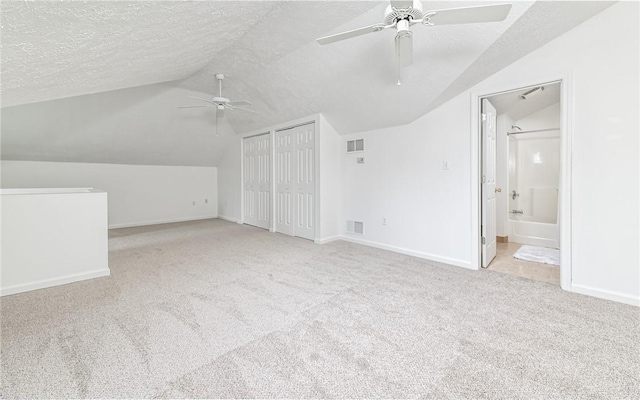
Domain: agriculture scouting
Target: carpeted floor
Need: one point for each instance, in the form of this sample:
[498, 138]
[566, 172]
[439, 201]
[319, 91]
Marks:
[216, 309]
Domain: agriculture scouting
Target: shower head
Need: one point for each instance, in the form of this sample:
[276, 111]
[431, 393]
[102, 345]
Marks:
[516, 127]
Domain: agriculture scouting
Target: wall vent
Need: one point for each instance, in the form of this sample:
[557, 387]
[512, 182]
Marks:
[355, 227]
[355, 145]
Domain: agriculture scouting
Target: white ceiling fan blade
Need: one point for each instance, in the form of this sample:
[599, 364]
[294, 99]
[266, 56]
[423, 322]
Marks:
[404, 49]
[193, 106]
[200, 98]
[353, 33]
[244, 109]
[239, 103]
[219, 112]
[401, 4]
[468, 15]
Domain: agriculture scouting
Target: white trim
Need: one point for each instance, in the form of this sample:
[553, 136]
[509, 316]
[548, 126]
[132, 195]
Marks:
[285, 125]
[62, 280]
[606, 294]
[158, 222]
[566, 113]
[230, 219]
[414, 253]
[566, 140]
[328, 239]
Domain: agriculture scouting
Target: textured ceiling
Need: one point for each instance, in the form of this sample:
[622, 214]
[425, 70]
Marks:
[62, 49]
[517, 108]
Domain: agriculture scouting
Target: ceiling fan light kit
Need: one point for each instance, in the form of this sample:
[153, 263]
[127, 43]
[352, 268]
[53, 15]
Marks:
[221, 103]
[402, 14]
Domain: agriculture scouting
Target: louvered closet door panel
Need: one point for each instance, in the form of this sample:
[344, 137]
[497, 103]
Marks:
[305, 181]
[283, 182]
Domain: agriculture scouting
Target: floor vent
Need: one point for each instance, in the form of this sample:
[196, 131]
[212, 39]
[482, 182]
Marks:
[355, 227]
[355, 145]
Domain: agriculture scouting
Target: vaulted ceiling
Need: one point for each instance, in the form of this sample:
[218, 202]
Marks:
[55, 50]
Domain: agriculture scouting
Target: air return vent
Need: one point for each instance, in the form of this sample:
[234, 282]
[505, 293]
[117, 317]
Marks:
[355, 145]
[355, 227]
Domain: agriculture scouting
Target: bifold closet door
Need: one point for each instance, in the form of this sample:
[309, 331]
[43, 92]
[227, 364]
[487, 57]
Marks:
[284, 182]
[257, 181]
[295, 181]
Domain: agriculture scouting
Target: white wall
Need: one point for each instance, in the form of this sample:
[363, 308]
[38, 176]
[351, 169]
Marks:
[140, 125]
[331, 150]
[50, 239]
[547, 118]
[429, 208]
[403, 180]
[230, 181]
[137, 194]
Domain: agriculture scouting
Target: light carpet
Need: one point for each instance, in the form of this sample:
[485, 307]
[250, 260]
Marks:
[543, 255]
[215, 309]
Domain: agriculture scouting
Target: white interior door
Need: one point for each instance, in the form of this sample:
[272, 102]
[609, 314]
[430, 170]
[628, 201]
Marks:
[295, 181]
[263, 180]
[305, 181]
[284, 182]
[489, 143]
[257, 181]
[249, 182]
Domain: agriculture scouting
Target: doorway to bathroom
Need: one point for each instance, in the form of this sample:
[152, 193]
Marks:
[521, 163]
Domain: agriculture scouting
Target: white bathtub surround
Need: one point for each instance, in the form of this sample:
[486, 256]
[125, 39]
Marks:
[534, 178]
[544, 255]
[51, 237]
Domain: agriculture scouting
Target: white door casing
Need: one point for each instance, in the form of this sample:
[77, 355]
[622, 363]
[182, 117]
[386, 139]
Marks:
[489, 143]
[257, 181]
[284, 183]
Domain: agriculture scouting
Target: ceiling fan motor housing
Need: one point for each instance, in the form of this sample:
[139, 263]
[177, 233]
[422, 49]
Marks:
[220, 100]
[393, 15]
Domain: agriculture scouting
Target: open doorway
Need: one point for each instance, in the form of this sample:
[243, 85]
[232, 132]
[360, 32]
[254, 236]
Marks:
[521, 163]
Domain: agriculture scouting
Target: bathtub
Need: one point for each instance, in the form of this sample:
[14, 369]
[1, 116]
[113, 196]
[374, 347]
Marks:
[534, 233]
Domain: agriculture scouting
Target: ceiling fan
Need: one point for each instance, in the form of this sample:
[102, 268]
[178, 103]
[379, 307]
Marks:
[402, 14]
[221, 103]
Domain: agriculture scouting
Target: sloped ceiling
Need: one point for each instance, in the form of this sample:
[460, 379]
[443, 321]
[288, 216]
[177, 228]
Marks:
[517, 108]
[56, 50]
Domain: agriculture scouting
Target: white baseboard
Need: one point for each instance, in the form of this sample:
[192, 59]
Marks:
[230, 219]
[414, 253]
[158, 222]
[606, 294]
[327, 239]
[62, 280]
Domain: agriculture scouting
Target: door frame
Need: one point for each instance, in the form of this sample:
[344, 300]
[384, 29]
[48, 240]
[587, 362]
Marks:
[566, 133]
[312, 119]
